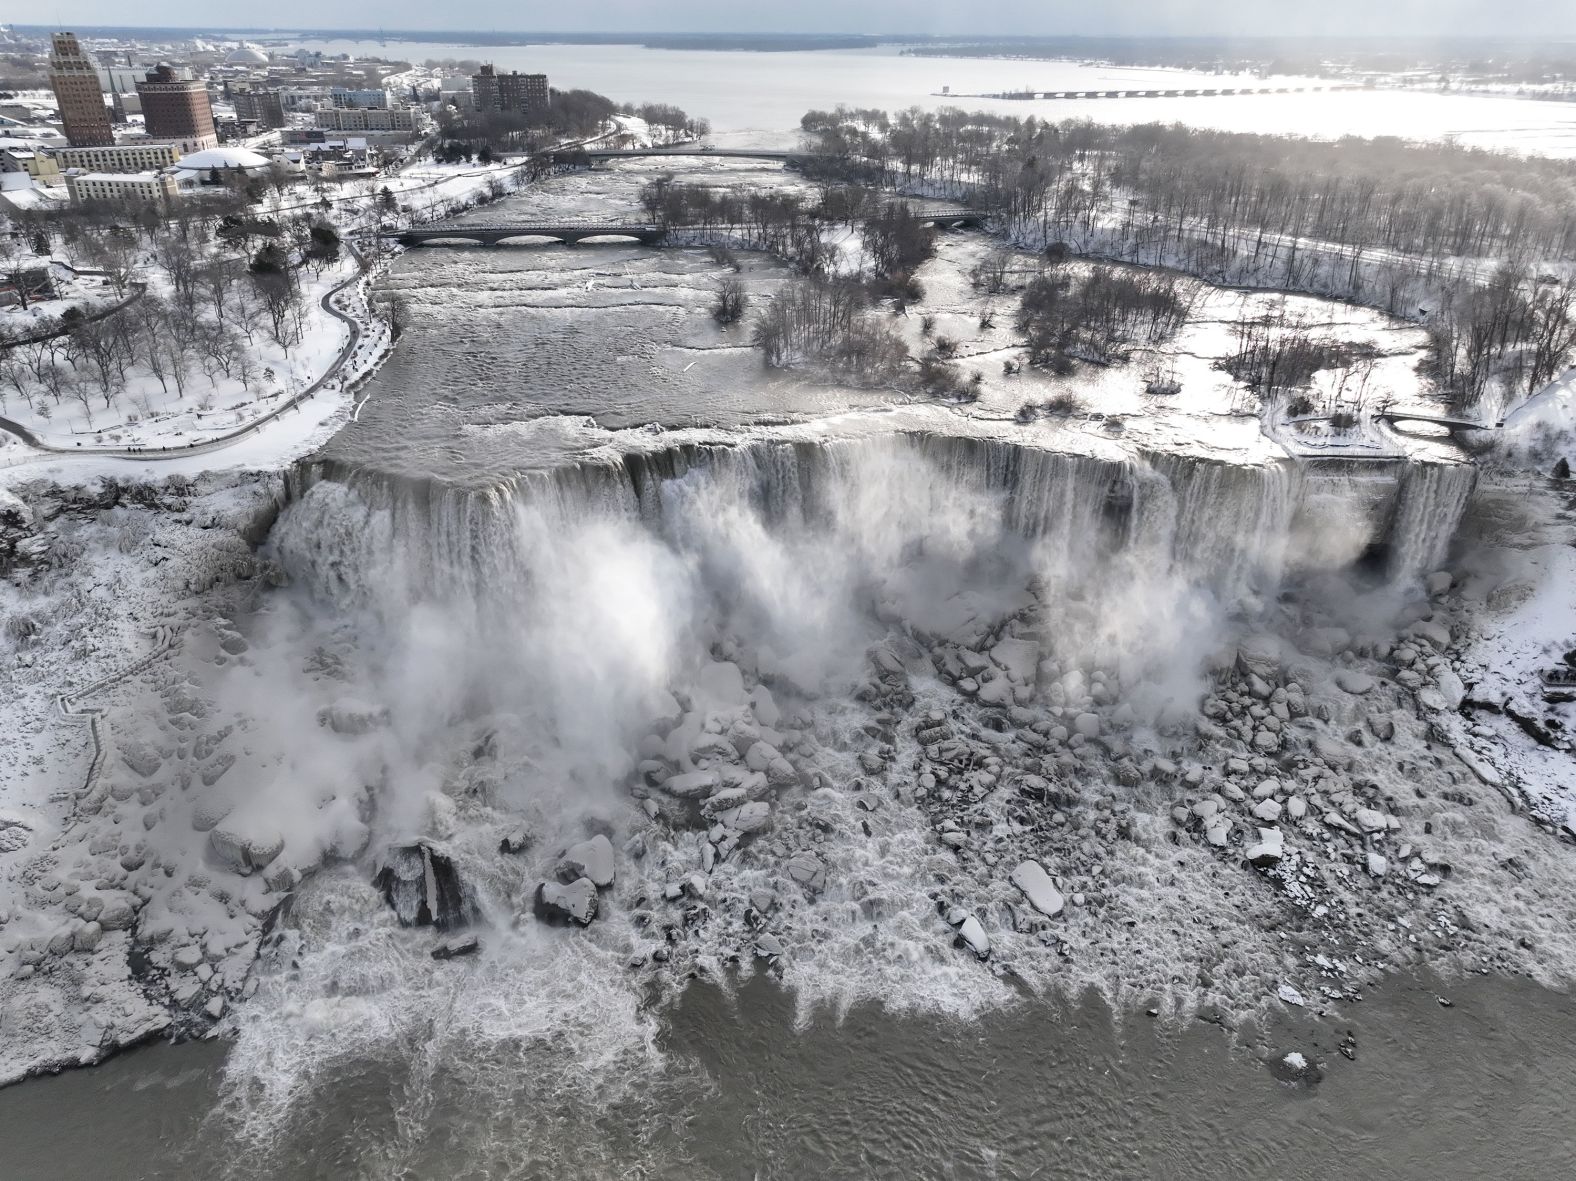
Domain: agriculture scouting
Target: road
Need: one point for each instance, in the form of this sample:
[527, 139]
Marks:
[220, 442]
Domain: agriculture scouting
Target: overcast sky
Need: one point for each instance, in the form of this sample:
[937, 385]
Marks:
[1427, 17]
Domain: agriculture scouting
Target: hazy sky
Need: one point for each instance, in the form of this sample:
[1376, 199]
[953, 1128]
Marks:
[1427, 17]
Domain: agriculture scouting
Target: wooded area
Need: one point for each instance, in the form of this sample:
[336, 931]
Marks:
[1476, 244]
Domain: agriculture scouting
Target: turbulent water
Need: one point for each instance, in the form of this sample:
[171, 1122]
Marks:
[1037, 1090]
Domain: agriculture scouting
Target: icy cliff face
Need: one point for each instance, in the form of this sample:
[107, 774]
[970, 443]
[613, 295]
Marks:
[360, 537]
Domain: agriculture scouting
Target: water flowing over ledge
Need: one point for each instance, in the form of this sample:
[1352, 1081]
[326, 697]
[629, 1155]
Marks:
[1230, 527]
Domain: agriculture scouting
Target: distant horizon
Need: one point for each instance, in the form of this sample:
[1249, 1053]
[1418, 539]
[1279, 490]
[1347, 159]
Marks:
[410, 33]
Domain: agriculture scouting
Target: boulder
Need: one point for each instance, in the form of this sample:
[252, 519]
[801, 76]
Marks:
[210, 810]
[1018, 658]
[766, 711]
[1087, 724]
[1356, 683]
[1450, 688]
[423, 887]
[1268, 850]
[516, 840]
[457, 946]
[1436, 635]
[748, 818]
[592, 859]
[1327, 641]
[245, 844]
[973, 934]
[568, 902]
[760, 756]
[1037, 887]
[1370, 820]
[692, 785]
[807, 869]
[725, 800]
[1260, 655]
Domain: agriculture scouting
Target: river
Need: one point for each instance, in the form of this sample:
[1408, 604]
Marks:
[757, 99]
[1039, 1090]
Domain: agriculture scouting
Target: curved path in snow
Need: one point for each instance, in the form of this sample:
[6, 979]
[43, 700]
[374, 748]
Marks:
[220, 442]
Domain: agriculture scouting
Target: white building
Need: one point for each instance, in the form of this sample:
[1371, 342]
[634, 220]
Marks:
[200, 168]
[122, 188]
[127, 157]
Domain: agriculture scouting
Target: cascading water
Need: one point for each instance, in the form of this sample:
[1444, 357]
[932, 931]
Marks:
[354, 536]
[1432, 499]
[578, 612]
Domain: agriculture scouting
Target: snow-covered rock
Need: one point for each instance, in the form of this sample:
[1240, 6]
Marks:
[1037, 887]
[592, 859]
[572, 902]
[245, 843]
[973, 933]
[1269, 848]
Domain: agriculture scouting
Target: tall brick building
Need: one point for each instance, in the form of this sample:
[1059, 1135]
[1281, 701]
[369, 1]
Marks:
[514, 91]
[74, 76]
[176, 110]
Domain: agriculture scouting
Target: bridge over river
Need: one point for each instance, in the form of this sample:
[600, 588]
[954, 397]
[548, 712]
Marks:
[1194, 92]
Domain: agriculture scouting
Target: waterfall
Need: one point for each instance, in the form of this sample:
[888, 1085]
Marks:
[1432, 499]
[355, 536]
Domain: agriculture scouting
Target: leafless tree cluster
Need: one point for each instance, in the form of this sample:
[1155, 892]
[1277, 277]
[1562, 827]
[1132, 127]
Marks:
[202, 300]
[1276, 353]
[790, 226]
[670, 124]
[1513, 328]
[1397, 226]
[762, 219]
[827, 324]
[731, 301]
[1099, 315]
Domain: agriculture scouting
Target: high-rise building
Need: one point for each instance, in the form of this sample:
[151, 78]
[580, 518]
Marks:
[263, 106]
[514, 91]
[177, 110]
[74, 75]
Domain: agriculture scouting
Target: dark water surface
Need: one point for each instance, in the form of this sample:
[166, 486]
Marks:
[1479, 1089]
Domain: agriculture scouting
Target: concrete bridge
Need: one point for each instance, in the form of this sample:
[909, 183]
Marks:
[1451, 422]
[566, 232]
[1196, 92]
[647, 234]
[781, 156]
